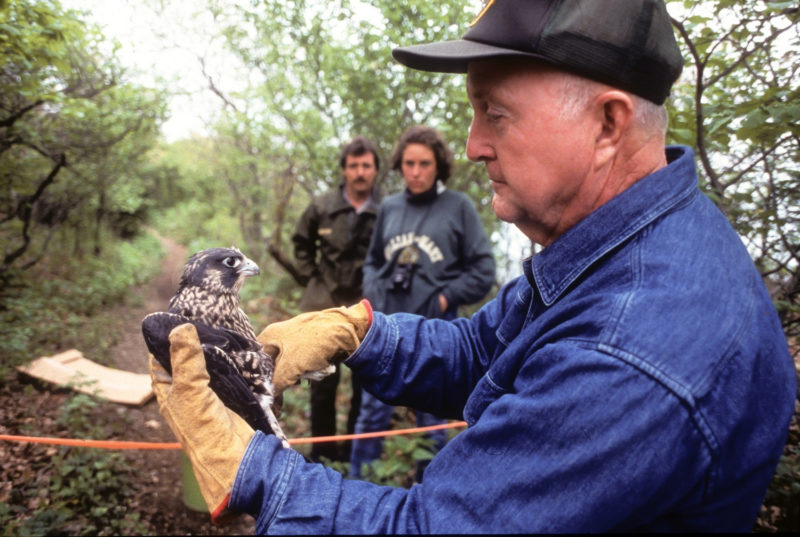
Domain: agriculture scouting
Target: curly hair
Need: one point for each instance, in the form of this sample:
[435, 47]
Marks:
[359, 146]
[431, 139]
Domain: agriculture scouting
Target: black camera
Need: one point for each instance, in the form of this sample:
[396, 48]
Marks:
[404, 269]
[401, 278]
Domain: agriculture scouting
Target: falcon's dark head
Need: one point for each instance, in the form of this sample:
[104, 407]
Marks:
[218, 270]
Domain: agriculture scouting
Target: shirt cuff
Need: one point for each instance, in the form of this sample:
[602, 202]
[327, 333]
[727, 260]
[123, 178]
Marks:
[262, 478]
[376, 347]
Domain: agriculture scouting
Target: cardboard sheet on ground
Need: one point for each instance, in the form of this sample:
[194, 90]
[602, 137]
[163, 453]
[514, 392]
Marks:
[71, 369]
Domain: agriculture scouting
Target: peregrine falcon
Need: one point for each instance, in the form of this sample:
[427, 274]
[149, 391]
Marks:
[208, 297]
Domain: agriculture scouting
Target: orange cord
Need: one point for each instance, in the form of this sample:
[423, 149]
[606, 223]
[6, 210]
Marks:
[121, 444]
[103, 444]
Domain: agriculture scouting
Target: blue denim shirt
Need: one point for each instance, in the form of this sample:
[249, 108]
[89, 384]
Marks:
[635, 378]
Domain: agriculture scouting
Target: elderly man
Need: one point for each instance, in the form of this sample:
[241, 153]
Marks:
[635, 378]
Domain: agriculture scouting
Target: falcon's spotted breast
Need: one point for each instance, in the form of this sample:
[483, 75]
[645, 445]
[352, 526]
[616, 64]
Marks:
[208, 297]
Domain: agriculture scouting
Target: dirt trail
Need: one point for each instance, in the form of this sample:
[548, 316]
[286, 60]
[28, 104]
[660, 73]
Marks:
[130, 353]
[155, 480]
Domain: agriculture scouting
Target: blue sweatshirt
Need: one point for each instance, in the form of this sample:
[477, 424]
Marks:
[452, 253]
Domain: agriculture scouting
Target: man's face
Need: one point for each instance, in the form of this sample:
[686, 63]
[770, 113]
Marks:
[538, 162]
[359, 173]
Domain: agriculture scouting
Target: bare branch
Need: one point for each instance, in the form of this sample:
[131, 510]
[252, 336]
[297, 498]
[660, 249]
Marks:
[10, 120]
[742, 59]
[274, 245]
[25, 210]
[213, 87]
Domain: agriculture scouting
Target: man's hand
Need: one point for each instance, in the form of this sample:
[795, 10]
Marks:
[313, 342]
[213, 437]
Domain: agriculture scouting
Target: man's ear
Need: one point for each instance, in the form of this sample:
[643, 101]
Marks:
[614, 111]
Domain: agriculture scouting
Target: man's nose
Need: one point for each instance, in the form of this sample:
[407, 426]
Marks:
[477, 146]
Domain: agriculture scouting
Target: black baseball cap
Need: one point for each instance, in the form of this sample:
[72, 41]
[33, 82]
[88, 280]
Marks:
[627, 44]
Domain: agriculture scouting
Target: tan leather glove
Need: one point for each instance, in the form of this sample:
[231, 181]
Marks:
[213, 437]
[313, 342]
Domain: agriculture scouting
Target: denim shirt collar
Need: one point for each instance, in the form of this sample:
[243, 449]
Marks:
[555, 268]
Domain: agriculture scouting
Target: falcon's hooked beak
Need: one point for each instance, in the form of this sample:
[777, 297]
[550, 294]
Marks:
[249, 268]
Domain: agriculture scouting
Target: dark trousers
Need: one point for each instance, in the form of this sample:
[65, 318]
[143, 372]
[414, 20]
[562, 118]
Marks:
[323, 416]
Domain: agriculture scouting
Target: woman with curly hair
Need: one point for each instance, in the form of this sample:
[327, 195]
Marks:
[429, 254]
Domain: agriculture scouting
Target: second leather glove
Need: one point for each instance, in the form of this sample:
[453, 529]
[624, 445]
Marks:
[311, 343]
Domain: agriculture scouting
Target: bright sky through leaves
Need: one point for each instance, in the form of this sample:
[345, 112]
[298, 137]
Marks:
[163, 50]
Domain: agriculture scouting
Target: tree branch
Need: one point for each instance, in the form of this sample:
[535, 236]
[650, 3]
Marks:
[25, 210]
[10, 120]
[213, 87]
[274, 245]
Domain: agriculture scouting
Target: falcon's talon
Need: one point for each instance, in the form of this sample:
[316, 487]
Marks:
[319, 374]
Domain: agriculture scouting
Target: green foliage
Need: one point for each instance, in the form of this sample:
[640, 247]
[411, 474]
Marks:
[46, 310]
[200, 225]
[75, 416]
[86, 493]
[321, 74]
[398, 464]
[74, 136]
[737, 105]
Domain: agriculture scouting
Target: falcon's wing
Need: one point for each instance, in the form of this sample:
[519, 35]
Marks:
[225, 379]
[230, 386]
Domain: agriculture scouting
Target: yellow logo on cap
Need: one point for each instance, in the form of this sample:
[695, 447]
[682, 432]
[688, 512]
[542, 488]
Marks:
[486, 7]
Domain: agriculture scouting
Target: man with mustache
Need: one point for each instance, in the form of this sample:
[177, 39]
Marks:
[330, 244]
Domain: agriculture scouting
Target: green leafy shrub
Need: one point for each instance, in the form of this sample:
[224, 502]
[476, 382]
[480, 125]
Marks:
[80, 491]
[53, 306]
[88, 494]
[75, 416]
[199, 225]
[398, 463]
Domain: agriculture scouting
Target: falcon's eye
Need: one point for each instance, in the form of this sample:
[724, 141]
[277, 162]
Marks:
[231, 262]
